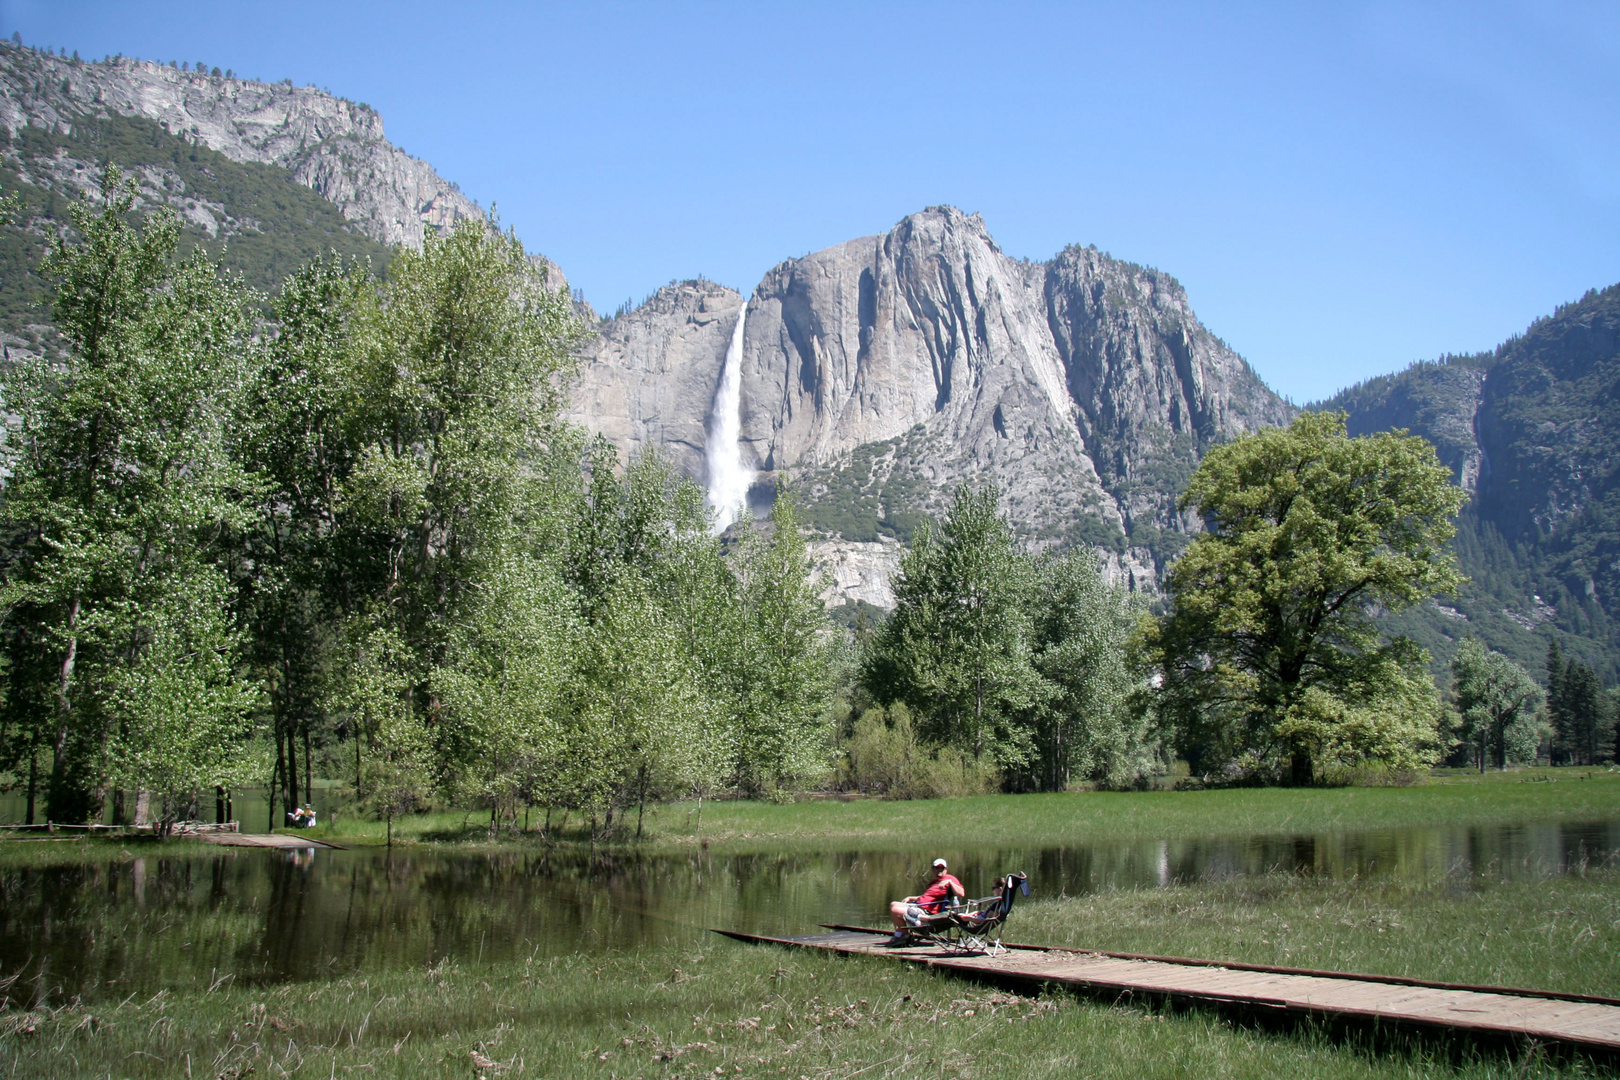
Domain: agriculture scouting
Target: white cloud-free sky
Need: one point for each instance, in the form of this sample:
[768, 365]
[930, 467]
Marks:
[1342, 188]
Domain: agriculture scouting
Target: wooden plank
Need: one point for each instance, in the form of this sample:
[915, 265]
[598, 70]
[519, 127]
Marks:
[284, 841]
[1583, 1021]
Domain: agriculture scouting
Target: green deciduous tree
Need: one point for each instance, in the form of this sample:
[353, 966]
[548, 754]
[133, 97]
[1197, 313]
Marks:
[121, 495]
[458, 370]
[1018, 663]
[301, 570]
[370, 685]
[1269, 647]
[640, 715]
[502, 726]
[957, 649]
[1499, 703]
[783, 660]
[1088, 727]
[364, 519]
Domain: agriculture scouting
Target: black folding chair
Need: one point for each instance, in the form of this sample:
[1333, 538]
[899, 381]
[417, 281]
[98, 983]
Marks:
[975, 926]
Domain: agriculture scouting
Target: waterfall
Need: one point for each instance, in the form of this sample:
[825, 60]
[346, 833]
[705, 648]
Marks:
[722, 453]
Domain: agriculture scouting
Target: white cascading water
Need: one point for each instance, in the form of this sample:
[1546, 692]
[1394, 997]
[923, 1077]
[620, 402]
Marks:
[728, 479]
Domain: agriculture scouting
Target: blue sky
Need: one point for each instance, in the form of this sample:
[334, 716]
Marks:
[1342, 188]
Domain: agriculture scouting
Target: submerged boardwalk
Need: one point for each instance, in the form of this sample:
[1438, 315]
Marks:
[286, 841]
[1589, 1023]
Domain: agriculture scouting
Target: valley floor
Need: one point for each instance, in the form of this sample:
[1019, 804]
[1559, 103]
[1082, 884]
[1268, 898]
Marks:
[1010, 821]
[1451, 798]
[727, 1009]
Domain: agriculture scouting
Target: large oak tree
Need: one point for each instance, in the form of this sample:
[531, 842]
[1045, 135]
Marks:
[1270, 648]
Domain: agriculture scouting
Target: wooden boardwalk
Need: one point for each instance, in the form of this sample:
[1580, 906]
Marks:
[286, 841]
[1591, 1024]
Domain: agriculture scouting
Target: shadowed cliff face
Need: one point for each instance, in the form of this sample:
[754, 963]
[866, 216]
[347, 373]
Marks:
[883, 371]
[1528, 430]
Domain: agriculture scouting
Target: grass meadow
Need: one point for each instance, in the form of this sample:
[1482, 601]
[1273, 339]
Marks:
[1049, 820]
[727, 1009]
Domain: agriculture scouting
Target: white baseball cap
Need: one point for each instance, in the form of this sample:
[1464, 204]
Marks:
[939, 862]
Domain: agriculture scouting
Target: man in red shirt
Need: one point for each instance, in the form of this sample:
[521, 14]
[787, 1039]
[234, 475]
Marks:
[910, 911]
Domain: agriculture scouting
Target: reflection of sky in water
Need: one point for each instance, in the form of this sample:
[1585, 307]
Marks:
[270, 916]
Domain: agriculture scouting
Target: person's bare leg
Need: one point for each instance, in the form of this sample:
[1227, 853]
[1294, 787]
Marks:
[897, 912]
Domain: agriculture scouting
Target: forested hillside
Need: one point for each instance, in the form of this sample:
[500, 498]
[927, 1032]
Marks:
[1529, 431]
[255, 219]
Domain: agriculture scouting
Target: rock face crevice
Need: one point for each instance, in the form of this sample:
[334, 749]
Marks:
[333, 146]
[883, 371]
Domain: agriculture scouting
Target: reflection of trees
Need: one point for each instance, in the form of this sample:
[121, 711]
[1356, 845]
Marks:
[81, 930]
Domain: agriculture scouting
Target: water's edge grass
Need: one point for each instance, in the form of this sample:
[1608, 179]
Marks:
[728, 1009]
[1038, 820]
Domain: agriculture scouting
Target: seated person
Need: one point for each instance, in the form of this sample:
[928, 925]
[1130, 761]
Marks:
[911, 910]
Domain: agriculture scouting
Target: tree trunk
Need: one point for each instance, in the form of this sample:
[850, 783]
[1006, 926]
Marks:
[290, 776]
[1301, 770]
[219, 805]
[641, 801]
[278, 775]
[58, 787]
[33, 779]
[64, 708]
[64, 679]
[309, 796]
[270, 796]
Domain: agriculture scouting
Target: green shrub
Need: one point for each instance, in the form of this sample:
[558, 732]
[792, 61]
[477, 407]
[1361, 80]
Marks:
[883, 757]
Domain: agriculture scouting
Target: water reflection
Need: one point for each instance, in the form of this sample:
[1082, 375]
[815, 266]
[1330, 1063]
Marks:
[267, 916]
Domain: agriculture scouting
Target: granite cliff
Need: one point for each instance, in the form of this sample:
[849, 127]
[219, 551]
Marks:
[335, 147]
[1529, 430]
[881, 372]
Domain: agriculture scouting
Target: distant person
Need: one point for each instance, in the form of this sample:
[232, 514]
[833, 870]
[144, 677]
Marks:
[309, 816]
[911, 911]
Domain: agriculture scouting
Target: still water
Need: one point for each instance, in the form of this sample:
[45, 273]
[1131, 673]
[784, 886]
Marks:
[268, 916]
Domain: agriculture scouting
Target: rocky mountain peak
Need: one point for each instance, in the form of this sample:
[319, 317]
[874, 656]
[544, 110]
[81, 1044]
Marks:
[334, 146]
[885, 370]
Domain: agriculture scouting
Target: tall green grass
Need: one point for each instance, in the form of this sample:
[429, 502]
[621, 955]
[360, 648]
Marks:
[1556, 934]
[1566, 794]
[1084, 817]
[727, 1010]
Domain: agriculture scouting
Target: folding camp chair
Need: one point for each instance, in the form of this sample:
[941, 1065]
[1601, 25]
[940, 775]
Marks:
[975, 926]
